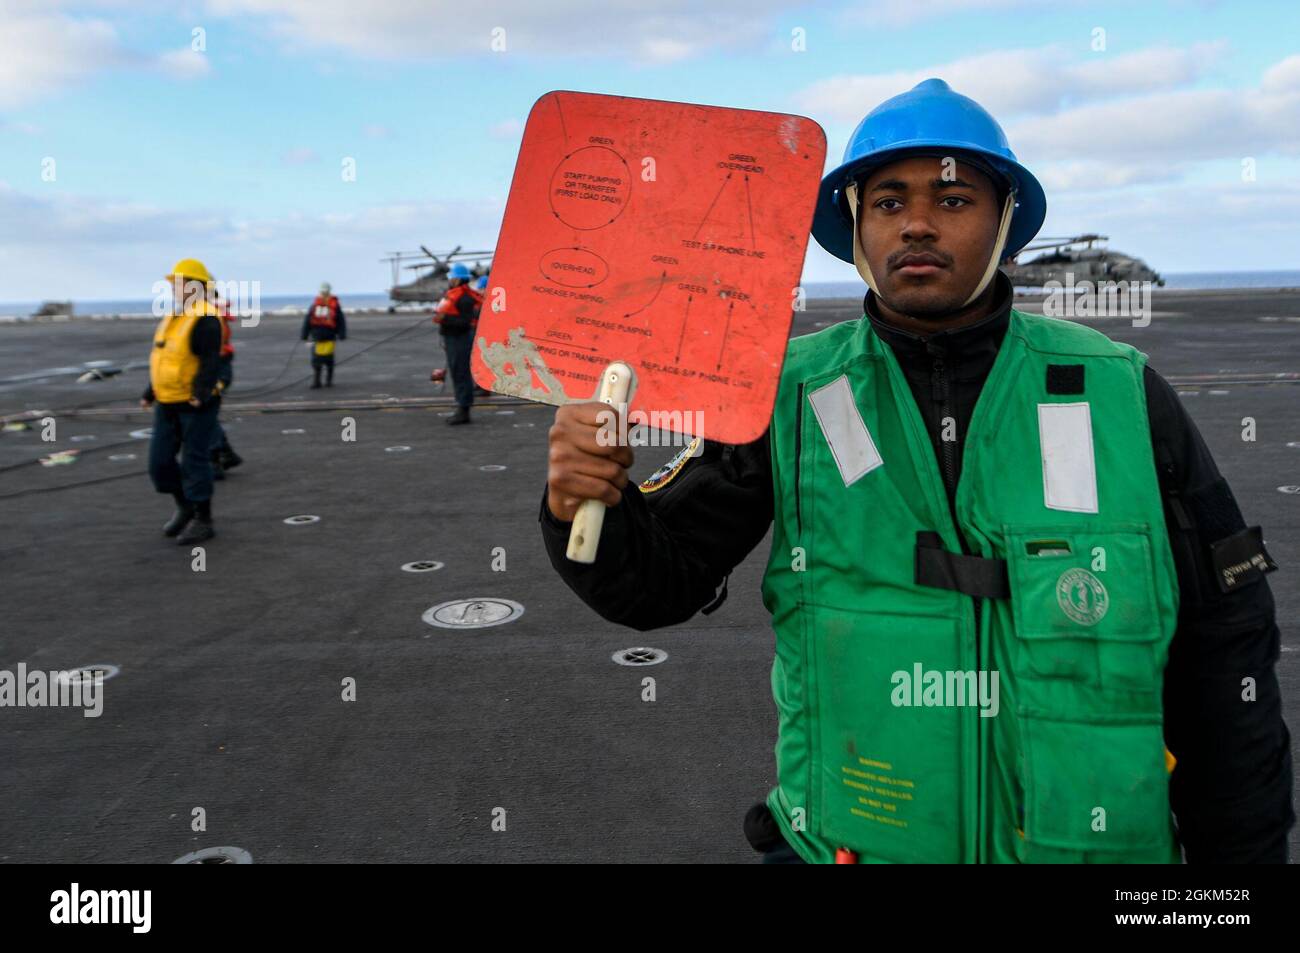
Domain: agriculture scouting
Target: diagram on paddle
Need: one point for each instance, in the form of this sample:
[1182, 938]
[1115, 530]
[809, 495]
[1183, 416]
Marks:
[666, 236]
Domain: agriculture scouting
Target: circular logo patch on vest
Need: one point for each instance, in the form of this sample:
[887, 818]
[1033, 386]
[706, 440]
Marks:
[1081, 596]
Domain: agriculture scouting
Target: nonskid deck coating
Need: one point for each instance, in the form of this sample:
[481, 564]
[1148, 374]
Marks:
[229, 696]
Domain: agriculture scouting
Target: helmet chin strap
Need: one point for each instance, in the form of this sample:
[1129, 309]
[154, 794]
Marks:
[860, 257]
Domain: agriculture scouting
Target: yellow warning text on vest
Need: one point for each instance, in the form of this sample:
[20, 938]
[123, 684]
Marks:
[891, 821]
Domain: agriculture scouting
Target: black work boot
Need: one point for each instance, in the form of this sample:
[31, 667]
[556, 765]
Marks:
[199, 527]
[184, 513]
[461, 416]
[196, 530]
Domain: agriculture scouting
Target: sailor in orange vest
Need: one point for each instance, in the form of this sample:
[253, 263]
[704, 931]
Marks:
[223, 454]
[183, 369]
[456, 316]
[324, 324]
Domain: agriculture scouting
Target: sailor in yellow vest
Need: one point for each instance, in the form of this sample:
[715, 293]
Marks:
[1015, 601]
[184, 367]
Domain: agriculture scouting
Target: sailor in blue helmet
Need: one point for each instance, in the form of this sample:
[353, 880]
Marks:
[457, 316]
[957, 485]
[935, 143]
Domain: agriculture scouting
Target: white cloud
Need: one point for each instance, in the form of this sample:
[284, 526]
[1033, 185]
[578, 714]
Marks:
[41, 53]
[1283, 77]
[905, 12]
[663, 31]
[1092, 123]
[1100, 75]
[1173, 126]
[667, 49]
[1095, 174]
[124, 247]
[1019, 81]
[26, 128]
[185, 64]
[1116, 142]
[44, 52]
[58, 219]
[508, 129]
[299, 156]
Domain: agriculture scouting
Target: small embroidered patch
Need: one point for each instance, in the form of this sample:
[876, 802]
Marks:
[664, 475]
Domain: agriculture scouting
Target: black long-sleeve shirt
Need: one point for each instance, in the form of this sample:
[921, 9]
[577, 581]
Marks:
[664, 555]
[205, 342]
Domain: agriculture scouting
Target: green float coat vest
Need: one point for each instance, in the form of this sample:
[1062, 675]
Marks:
[876, 754]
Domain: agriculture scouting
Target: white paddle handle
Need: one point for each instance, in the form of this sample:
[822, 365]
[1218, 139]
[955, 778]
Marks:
[584, 534]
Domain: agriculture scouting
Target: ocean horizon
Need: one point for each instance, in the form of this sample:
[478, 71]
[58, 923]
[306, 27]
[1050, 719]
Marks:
[361, 301]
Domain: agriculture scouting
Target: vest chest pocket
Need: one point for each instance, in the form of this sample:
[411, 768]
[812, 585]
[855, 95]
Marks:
[886, 752]
[1084, 606]
[1099, 788]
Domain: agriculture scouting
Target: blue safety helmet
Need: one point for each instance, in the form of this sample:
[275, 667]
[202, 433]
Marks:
[460, 270]
[929, 119]
[481, 283]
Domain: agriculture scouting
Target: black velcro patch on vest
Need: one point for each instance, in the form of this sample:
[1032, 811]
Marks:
[1241, 559]
[1065, 378]
[972, 575]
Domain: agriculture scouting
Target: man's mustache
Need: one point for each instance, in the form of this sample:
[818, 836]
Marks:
[942, 257]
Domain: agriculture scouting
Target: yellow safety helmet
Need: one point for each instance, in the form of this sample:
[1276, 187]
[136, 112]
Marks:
[191, 269]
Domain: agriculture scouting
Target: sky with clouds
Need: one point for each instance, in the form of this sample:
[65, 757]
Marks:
[124, 147]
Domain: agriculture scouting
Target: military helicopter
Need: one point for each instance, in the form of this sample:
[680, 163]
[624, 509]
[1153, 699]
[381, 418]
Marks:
[432, 283]
[1077, 257]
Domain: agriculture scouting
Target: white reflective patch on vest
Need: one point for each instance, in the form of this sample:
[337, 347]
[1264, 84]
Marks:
[1069, 463]
[851, 444]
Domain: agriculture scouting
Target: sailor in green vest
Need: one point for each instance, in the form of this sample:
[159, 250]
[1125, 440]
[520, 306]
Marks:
[1014, 600]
